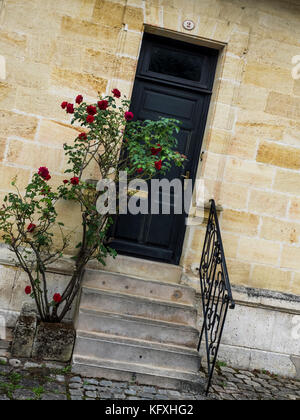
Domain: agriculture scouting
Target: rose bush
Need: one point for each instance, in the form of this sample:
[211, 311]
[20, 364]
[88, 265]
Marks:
[109, 137]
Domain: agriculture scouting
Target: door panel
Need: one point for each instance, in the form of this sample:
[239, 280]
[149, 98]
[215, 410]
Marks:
[161, 236]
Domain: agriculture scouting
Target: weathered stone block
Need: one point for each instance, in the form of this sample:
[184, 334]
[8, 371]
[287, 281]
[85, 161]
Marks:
[240, 222]
[249, 173]
[259, 251]
[290, 257]
[261, 125]
[271, 278]
[55, 133]
[108, 12]
[24, 333]
[54, 342]
[134, 17]
[33, 155]
[278, 230]
[7, 96]
[283, 105]
[274, 78]
[263, 202]
[8, 173]
[239, 272]
[287, 182]
[294, 211]
[13, 124]
[84, 83]
[41, 103]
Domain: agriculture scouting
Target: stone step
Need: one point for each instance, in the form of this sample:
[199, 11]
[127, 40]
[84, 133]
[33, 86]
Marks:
[136, 351]
[145, 269]
[137, 327]
[141, 374]
[121, 303]
[140, 287]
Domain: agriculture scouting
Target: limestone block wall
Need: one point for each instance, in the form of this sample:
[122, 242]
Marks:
[55, 49]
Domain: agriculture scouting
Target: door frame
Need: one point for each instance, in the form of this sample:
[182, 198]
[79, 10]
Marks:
[194, 42]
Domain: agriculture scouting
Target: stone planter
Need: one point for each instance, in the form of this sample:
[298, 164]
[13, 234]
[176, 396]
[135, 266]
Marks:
[42, 341]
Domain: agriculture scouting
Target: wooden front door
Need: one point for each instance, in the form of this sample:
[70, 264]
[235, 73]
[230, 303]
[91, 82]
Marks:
[174, 79]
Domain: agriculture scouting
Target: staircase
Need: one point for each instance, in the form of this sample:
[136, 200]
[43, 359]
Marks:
[132, 329]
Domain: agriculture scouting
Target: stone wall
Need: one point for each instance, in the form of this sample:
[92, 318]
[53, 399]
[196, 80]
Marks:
[55, 49]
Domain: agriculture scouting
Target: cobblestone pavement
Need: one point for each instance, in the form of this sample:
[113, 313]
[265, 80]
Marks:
[31, 381]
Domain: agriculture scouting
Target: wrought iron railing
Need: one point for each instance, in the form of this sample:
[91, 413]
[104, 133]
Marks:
[215, 292]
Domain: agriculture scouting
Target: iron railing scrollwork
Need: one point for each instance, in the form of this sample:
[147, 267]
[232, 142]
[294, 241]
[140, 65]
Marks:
[215, 292]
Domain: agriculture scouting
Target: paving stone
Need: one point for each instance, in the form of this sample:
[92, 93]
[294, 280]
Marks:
[91, 394]
[130, 392]
[263, 376]
[60, 378]
[226, 397]
[23, 395]
[218, 388]
[174, 393]
[105, 395]
[31, 365]
[120, 384]
[4, 398]
[77, 380]
[119, 396]
[159, 397]
[90, 382]
[5, 369]
[163, 391]
[243, 377]
[106, 383]
[76, 398]
[149, 389]
[29, 383]
[55, 388]
[226, 369]
[75, 386]
[54, 397]
[76, 392]
[90, 388]
[245, 372]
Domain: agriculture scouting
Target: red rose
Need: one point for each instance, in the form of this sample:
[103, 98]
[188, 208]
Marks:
[129, 116]
[44, 173]
[31, 227]
[103, 105]
[139, 170]
[156, 150]
[79, 99]
[158, 165]
[70, 109]
[57, 298]
[65, 181]
[90, 119]
[28, 290]
[91, 110]
[75, 180]
[64, 105]
[116, 93]
[82, 136]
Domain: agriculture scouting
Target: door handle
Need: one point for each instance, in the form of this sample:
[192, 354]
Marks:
[187, 175]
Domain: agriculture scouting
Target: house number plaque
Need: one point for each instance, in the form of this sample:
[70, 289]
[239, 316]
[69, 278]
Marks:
[189, 25]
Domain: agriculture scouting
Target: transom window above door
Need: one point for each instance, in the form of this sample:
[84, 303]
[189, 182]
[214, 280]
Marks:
[178, 62]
